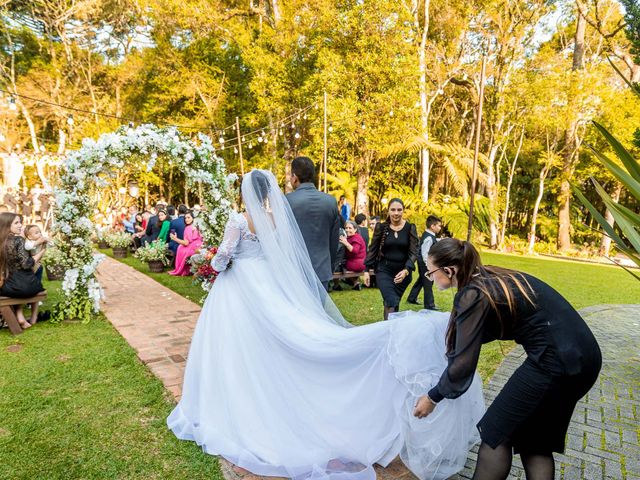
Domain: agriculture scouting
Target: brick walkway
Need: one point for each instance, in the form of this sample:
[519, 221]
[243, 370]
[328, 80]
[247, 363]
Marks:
[603, 437]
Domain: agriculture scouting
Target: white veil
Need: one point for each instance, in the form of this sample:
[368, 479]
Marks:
[283, 245]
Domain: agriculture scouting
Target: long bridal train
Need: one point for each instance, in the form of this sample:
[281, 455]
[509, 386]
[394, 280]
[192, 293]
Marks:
[277, 382]
[293, 397]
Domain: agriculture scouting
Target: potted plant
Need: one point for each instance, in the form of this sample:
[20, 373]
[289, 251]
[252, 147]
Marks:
[101, 234]
[119, 243]
[155, 254]
[52, 262]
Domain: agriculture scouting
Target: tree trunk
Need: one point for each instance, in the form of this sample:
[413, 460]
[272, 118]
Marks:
[512, 169]
[362, 194]
[605, 243]
[534, 215]
[170, 186]
[570, 153]
[492, 194]
[424, 104]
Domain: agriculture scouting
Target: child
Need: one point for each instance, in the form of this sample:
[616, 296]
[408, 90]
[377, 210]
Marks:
[429, 238]
[35, 242]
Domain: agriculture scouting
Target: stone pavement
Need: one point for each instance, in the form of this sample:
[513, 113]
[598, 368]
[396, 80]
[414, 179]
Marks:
[604, 436]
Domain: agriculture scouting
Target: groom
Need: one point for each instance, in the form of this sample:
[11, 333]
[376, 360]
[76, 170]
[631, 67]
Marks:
[317, 216]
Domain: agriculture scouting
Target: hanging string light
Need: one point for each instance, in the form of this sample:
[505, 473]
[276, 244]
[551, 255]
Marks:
[70, 120]
[12, 104]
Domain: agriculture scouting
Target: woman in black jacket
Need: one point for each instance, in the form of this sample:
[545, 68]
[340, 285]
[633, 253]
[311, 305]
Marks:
[531, 414]
[392, 256]
[17, 278]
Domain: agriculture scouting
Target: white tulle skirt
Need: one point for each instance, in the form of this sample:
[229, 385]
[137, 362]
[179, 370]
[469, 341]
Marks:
[275, 388]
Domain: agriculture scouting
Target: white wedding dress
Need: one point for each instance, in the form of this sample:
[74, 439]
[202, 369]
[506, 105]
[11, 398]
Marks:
[278, 383]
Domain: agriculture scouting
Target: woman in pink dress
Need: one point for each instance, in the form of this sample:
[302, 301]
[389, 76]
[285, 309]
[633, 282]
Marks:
[188, 246]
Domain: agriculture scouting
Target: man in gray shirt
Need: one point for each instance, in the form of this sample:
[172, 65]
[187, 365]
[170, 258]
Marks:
[317, 216]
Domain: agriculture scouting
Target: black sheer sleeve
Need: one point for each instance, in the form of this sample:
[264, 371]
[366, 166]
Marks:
[371, 261]
[413, 247]
[472, 308]
[19, 258]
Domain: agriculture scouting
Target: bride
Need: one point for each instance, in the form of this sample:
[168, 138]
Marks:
[277, 382]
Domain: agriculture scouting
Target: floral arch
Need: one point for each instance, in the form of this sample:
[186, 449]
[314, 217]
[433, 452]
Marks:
[89, 167]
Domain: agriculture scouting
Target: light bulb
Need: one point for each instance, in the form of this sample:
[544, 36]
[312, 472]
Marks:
[70, 120]
[12, 104]
[235, 149]
[2, 137]
[221, 140]
[297, 135]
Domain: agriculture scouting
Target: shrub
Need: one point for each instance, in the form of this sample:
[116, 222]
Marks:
[118, 239]
[154, 251]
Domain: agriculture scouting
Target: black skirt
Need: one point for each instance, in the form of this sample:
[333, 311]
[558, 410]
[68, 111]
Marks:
[21, 284]
[391, 292]
[533, 410]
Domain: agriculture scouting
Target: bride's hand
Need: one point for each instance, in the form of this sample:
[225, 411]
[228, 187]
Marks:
[424, 407]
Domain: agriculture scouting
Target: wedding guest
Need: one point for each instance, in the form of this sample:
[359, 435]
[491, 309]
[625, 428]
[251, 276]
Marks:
[361, 221]
[45, 205]
[177, 227]
[373, 221]
[187, 246]
[196, 209]
[129, 219]
[35, 242]
[139, 224]
[17, 278]
[26, 206]
[157, 228]
[153, 219]
[428, 239]
[10, 200]
[345, 208]
[171, 212]
[531, 414]
[317, 216]
[392, 255]
[355, 251]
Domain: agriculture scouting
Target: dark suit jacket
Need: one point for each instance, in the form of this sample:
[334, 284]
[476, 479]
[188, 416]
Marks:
[364, 233]
[319, 221]
[178, 225]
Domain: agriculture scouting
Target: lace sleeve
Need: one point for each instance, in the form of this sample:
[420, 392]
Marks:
[472, 310]
[232, 234]
[19, 257]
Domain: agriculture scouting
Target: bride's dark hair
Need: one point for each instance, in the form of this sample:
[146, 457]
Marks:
[260, 184]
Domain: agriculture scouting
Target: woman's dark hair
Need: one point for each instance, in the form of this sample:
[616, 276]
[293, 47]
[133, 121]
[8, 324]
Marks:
[139, 215]
[304, 169]
[190, 213]
[159, 222]
[6, 219]
[359, 218]
[260, 184]
[451, 252]
[386, 223]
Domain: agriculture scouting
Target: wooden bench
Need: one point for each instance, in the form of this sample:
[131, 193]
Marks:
[348, 274]
[8, 314]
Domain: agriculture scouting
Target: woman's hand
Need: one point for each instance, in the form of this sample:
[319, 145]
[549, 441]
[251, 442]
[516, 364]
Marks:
[401, 275]
[343, 240]
[424, 407]
[174, 237]
[367, 278]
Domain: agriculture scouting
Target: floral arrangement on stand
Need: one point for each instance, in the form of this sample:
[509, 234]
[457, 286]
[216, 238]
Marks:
[156, 251]
[93, 165]
[203, 272]
[118, 239]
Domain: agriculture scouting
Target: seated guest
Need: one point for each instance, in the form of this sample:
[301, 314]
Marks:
[17, 278]
[189, 245]
[361, 220]
[355, 251]
[177, 226]
[139, 226]
[158, 229]
[171, 212]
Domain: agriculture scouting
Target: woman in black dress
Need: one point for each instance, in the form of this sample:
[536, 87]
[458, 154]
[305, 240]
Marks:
[17, 278]
[392, 256]
[531, 414]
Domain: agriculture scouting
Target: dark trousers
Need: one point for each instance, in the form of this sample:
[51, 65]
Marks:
[39, 273]
[422, 282]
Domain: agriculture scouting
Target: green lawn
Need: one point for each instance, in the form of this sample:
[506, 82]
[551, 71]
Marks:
[77, 404]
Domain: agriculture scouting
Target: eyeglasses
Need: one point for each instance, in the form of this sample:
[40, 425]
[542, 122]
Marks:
[429, 275]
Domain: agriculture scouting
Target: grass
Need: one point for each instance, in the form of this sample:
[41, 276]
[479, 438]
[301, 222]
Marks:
[77, 404]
